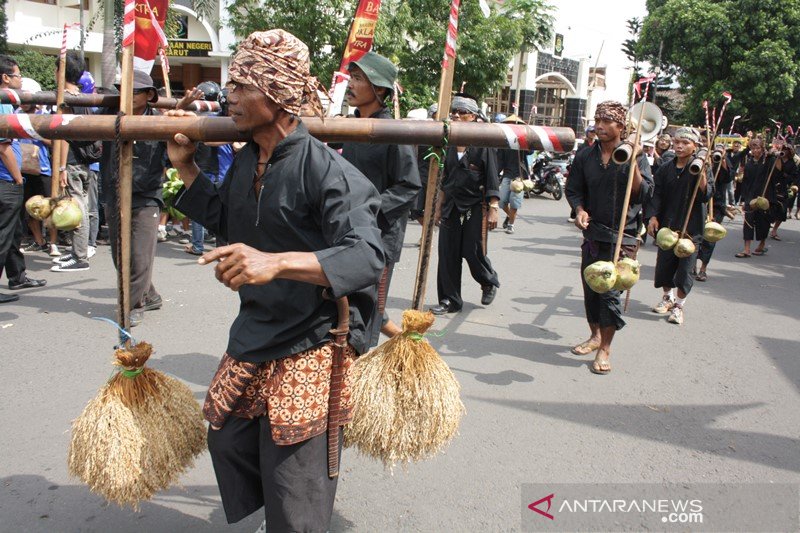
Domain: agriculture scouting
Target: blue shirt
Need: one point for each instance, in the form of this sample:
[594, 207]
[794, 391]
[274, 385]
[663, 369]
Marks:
[5, 174]
[44, 151]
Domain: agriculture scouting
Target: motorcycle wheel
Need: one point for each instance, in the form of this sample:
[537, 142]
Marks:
[537, 190]
[558, 192]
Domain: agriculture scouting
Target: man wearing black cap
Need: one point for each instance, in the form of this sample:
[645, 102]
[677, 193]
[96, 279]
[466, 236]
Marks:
[391, 168]
[148, 167]
[470, 178]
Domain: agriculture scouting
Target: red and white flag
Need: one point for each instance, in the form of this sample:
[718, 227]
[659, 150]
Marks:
[452, 34]
[149, 35]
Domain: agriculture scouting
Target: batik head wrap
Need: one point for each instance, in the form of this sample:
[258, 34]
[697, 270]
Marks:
[611, 110]
[277, 63]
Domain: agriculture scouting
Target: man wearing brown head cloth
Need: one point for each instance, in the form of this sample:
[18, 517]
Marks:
[302, 223]
[596, 190]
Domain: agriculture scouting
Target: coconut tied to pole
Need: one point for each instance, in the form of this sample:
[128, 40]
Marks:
[140, 432]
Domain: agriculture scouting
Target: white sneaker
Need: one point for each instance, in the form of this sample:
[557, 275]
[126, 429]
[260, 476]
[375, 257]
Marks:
[676, 317]
[162, 234]
[91, 251]
[54, 251]
[67, 257]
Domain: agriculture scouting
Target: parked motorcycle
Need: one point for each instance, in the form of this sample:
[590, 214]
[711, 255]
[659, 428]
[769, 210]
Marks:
[547, 177]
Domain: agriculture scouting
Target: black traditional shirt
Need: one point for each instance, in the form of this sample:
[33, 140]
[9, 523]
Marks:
[392, 168]
[787, 178]
[600, 190]
[755, 177]
[308, 200]
[724, 177]
[512, 163]
[671, 196]
[149, 158]
[469, 180]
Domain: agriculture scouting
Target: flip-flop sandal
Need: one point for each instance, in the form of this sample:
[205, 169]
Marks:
[600, 371]
[742, 255]
[701, 276]
[584, 348]
[775, 237]
[760, 252]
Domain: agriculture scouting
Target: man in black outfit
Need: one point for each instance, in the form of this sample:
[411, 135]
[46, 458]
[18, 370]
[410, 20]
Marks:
[596, 190]
[470, 178]
[674, 185]
[757, 169]
[392, 168]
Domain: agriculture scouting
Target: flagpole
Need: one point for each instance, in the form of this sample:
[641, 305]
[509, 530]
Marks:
[432, 191]
[165, 71]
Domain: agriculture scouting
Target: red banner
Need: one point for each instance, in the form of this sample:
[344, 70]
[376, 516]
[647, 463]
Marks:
[149, 35]
[362, 32]
[359, 42]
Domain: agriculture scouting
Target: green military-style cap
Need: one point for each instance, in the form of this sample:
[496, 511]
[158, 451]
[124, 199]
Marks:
[379, 70]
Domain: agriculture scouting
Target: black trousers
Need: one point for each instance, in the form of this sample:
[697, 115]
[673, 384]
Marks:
[604, 309]
[290, 482]
[707, 248]
[11, 259]
[460, 238]
[756, 224]
[673, 271]
[144, 237]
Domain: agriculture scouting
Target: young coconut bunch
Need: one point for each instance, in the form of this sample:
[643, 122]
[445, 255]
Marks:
[759, 203]
[39, 207]
[407, 404]
[67, 214]
[714, 231]
[139, 434]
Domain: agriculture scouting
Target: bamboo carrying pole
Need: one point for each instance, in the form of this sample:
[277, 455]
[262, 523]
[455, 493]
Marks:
[10, 96]
[432, 191]
[223, 129]
[125, 195]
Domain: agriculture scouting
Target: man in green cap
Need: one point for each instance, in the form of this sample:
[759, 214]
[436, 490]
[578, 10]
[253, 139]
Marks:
[391, 168]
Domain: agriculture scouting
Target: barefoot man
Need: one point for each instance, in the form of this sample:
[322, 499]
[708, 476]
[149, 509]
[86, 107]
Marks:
[596, 190]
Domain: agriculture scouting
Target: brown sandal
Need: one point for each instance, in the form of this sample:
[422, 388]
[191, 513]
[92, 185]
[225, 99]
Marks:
[585, 348]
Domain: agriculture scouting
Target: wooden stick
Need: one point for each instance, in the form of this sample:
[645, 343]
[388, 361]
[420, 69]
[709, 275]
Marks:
[58, 145]
[694, 194]
[711, 201]
[10, 96]
[125, 194]
[223, 129]
[629, 187]
[432, 192]
[165, 73]
[766, 185]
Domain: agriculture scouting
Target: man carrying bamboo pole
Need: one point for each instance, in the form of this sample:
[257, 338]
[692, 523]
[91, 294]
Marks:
[303, 225]
[669, 208]
[392, 168]
[596, 189]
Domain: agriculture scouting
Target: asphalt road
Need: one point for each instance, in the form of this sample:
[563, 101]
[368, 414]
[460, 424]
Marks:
[714, 400]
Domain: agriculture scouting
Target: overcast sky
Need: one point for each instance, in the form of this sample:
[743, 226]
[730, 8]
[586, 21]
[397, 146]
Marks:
[588, 24]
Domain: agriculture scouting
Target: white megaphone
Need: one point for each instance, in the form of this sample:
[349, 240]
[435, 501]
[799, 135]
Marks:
[651, 124]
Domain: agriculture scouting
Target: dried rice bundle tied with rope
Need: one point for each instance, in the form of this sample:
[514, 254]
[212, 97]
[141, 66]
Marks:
[139, 434]
[407, 404]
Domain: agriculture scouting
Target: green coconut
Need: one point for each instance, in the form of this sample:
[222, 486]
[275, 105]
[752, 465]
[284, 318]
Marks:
[39, 207]
[627, 274]
[666, 239]
[600, 276]
[527, 184]
[517, 186]
[684, 248]
[760, 203]
[714, 232]
[67, 214]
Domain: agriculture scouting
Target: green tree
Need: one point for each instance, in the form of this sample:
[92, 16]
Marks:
[750, 48]
[3, 28]
[412, 34]
[37, 66]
